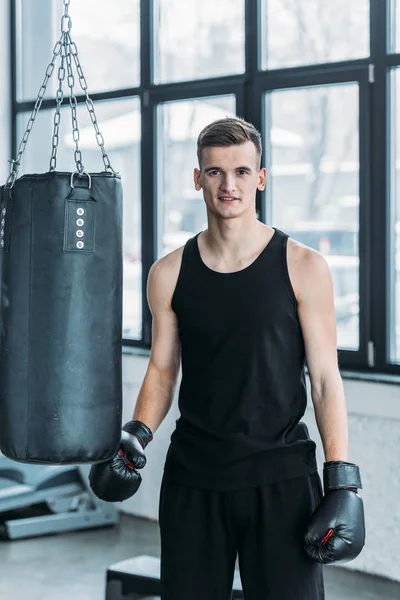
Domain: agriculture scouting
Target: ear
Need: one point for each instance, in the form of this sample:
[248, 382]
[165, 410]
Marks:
[196, 178]
[262, 179]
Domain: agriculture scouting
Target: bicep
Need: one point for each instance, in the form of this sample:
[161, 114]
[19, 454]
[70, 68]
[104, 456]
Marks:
[316, 310]
[165, 346]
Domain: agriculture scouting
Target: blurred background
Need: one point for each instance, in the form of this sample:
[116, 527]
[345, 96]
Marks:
[321, 81]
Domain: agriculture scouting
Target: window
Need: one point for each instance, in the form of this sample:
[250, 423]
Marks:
[305, 32]
[119, 122]
[108, 42]
[181, 208]
[198, 39]
[314, 174]
[313, 77]
[395, 25]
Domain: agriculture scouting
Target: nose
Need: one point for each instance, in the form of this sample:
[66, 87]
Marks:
[228, 183]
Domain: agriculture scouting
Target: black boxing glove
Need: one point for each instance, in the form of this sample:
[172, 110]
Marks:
[117, 479]
[336, 532]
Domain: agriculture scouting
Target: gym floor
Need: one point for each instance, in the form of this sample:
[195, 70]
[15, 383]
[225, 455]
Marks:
[73, 566]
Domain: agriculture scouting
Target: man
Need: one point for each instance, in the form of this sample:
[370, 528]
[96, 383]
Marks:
[244, 307]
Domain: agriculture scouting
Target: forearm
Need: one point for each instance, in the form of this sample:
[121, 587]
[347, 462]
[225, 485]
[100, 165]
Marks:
[155, 397]
[331, 417]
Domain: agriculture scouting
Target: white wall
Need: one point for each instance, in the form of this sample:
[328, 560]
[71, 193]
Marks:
[5, 107]
[374, 428]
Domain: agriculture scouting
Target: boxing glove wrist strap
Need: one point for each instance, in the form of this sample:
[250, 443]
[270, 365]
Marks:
[140, 430]
[339, 474]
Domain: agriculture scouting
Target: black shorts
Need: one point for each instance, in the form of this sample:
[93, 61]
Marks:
[202, 533]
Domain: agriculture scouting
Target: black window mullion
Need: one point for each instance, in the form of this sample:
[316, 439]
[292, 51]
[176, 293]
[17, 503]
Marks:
[148, 144]
[379, 206]
[196, 89]
[393, 60]
[252, 37]
[252, 109]
[297, 78]
[146, 43]
[364, 240]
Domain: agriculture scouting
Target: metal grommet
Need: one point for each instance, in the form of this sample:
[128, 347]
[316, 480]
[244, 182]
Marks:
[3, 212]
[80, 222]
[2, 243]
[79, 245]
[79, 233]
[2, 232]
[80, 212]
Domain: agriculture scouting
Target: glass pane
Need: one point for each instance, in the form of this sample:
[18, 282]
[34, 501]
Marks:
[305, 32]
[313, 189]
[198, 39]
[107, 37]
[119, 122]
[395, 25]
[394, 324]
[181, 209]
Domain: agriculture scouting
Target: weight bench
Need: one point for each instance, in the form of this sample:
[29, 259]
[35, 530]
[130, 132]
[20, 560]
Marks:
[42, 499]
[139, 579]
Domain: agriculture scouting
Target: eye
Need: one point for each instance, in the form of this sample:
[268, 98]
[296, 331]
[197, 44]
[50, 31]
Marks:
[242, 172]
[214, 172]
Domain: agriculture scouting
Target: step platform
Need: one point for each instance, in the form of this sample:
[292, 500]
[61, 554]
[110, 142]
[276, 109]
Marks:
[138, 578]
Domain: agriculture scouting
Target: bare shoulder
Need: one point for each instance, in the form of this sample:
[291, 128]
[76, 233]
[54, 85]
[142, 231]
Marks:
[163, 276]
[308, 268]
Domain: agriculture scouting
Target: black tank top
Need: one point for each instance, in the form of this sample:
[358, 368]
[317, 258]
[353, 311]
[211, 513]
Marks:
[243, 389]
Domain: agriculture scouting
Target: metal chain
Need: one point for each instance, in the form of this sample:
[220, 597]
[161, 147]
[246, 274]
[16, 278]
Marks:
[74, 105]
[89, 103]
[66, 47]
[66, 21]
[57, 115]
[15, 164]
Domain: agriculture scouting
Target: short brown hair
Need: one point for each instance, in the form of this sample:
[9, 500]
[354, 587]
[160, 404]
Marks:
[230, 131]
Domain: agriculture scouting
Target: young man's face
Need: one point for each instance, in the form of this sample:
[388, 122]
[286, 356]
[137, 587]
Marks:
[229, 178]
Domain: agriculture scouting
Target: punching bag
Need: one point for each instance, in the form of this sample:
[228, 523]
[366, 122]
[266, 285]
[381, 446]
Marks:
[61, 309]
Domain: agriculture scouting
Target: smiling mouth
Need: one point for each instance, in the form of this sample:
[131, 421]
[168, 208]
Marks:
[227, 198]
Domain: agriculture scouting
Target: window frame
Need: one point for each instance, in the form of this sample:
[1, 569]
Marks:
[337, 75]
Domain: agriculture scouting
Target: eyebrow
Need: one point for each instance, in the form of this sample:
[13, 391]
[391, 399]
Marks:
[243, 168]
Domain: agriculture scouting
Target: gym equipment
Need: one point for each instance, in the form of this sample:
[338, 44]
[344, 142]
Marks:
[61, 298]
[139, 579]
[38, 500]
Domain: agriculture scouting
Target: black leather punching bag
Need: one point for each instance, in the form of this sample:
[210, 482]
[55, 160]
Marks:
[61, 318]
[61, 298]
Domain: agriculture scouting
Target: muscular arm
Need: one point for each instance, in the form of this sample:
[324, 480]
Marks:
[157, 390]
[316, 311]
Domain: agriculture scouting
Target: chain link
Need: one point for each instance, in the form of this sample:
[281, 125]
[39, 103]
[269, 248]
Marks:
[57, 115]
[66, 22]
[66, 47]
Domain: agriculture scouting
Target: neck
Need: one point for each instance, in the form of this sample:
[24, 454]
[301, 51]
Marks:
[232, 238]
